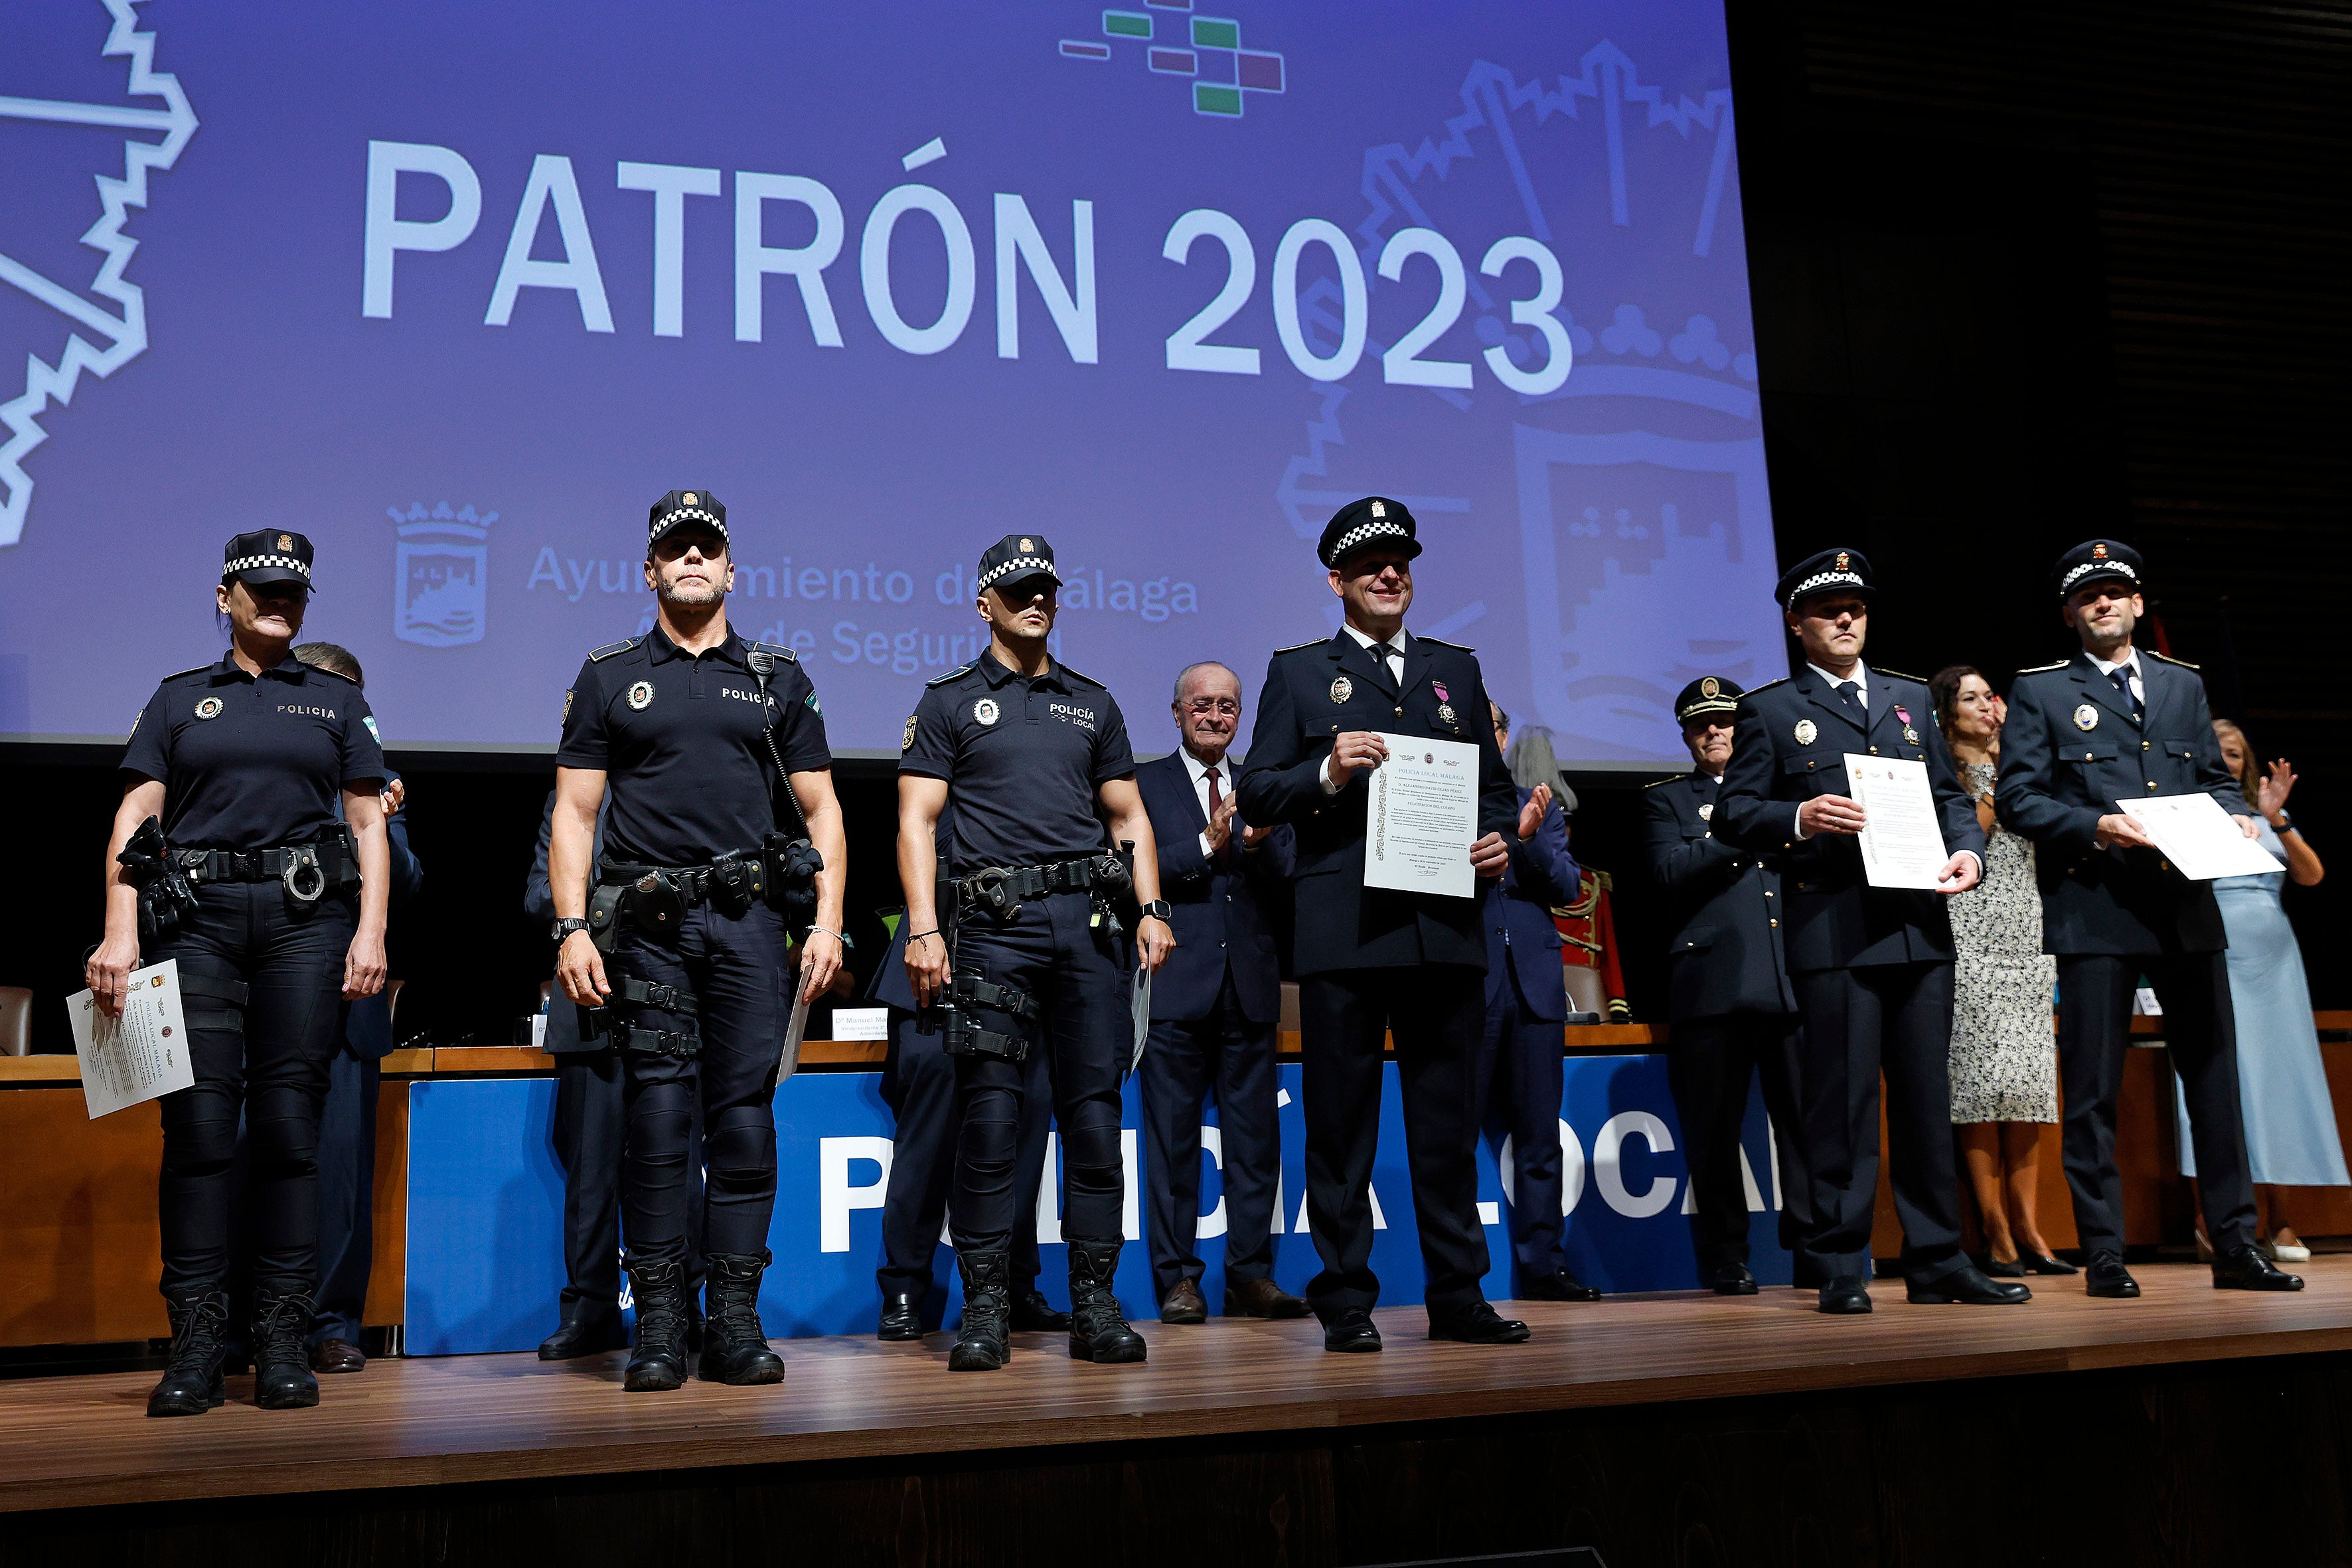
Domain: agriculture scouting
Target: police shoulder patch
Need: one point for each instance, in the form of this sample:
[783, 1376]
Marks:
[610, 649]
[956, 673]
[2168, 659]
[787, 655]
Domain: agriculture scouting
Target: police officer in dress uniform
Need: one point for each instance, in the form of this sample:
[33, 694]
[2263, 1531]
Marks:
[2117, 722]
[1732, 1008]
[1216, 1008]
[678, 935]
[919, 1085]
[275, 911]
[590, 1124]
[1371, 962]
[1019, 949]
[1872, 967]
[1519, 1052]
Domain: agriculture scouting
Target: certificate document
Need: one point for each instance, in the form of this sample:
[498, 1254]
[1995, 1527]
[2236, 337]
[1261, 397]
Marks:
[1902, 844]
[141, 1055]
[2198, 836]
[1423, 818]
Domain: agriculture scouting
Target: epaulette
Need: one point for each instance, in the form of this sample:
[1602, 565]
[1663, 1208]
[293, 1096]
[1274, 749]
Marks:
[1766, 685]
[1080, 674]
[1899, 675]
[1310, 642]
[2044, 669]
[1670, 778]
[183, 675]
[2181, 662]
[787, 655]
[322, 669]
[610, 649]
[956, 673]
[1441, 642]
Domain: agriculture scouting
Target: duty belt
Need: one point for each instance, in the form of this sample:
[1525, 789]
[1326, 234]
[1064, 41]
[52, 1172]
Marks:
[691, 883]
[998, 890]
[305, 868]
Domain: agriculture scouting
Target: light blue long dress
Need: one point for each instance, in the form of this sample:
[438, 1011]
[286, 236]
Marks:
[2291, 1137]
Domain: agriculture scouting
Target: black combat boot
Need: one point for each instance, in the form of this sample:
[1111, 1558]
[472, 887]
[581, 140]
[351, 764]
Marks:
[657, 1358]
[281, 1360]
[192, 1382]
[983, 1343]
[1098, 1330]
[734, 1345]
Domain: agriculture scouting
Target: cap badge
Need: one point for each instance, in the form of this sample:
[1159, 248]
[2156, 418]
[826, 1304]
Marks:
[1710, 686]
[907, 739]
[1841, 561]
[1706, 811]
[210, 707]
[1446, 711]
[2098, 552]
[1026, 547]
[1805, 732]
[286, 543]
[1342, 688]
[688, 498]
[641, 695]
[986, 709]
[1379, 508]
[2086, 717]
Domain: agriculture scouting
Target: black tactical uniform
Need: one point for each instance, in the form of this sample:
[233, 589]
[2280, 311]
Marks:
[253, 768]
[1039, 960]
[686, 906]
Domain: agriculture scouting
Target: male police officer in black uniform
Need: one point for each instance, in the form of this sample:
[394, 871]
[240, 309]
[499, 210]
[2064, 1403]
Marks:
[1872, 967]
[1021, 944]
[1372, 962]
[1729, 998]
[703, 739]
[2114, 723]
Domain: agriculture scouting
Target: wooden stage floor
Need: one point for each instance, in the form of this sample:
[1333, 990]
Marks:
[66, 1442]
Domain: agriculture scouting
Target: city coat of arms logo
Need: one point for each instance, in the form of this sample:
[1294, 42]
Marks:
[441, 575]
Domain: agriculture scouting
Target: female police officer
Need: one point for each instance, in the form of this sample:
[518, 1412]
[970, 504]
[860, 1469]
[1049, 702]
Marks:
[275, 911]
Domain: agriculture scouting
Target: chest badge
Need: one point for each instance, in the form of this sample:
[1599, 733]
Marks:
[1446, 711]
[1805, 732]
[641, 696]
[210, 707]
[986, 711]
[2086, 717]
[1342, 688]
[1706, 811]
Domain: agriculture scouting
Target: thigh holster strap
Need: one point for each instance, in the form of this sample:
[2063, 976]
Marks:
[971, 991]
[652, 994]
[654, 1042]
[213, 1002]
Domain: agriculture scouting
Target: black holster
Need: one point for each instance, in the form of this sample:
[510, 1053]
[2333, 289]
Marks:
[626, 1034]
[970, 992]
[165, 894]
[791, 867]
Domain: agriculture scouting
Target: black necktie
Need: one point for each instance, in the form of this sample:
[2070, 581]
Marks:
[2121, 676]
[1387, 651]
[1852, 691]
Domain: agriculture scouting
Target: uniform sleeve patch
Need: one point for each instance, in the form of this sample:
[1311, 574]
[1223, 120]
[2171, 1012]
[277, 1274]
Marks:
[813, 705]
[369, 719]
[907, 741]
[567, 704]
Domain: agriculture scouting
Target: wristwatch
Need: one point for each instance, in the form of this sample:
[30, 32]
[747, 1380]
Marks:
[1158, 910]
[566, 926]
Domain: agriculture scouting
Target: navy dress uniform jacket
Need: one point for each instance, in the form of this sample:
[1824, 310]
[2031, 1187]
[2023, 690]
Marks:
[2069, 753]
[1836, 919]
[1521, 941]
[1218, 911]
[1342, 924]
[1723, 906]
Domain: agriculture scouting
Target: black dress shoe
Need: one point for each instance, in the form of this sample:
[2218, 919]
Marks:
[1479, 1324]
[576, 1337]
[1731, 1279]
[1846, 1295]
[1558, 1285]
[2043, 1263]
[2105, 1276]
[1967, 1285]
[1994, 1267]
[902, 1315]
[1352, 1330]
[1033, 1314]
[2245, 1268]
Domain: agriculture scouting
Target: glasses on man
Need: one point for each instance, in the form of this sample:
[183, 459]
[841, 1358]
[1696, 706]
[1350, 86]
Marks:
[1204, 706]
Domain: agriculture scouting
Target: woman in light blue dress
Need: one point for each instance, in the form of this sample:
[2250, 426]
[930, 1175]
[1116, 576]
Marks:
[2291, 1137]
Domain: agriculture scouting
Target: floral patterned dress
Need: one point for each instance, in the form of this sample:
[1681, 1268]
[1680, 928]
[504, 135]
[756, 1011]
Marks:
[2004, 1053]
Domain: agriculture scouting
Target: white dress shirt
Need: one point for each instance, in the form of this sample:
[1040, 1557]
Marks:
[1393, 662]
[1860, 678]
[2130, 661]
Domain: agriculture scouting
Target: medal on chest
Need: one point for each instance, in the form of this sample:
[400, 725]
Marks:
[1446, 711]
[2086, 717]
[1910, 735]
[1341, 690]
[1439, 687]
[1805, 732]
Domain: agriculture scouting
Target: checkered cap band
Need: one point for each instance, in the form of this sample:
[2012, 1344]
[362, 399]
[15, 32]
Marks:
[254, 563]
[670, 520]
[1379, 528]
[2108, 568]
[1821, 580]
[1018, 565]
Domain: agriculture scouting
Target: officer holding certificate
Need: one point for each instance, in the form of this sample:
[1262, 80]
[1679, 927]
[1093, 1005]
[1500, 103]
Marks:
[1872, 966]
[2117, 723]
[1374, 961]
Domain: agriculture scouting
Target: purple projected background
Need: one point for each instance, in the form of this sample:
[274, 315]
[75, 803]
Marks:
[459, 289]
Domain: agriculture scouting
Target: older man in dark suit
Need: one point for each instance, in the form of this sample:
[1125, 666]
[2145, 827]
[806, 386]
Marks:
[1214, 1007]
